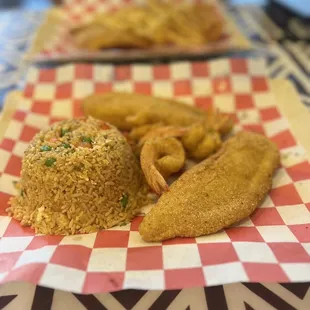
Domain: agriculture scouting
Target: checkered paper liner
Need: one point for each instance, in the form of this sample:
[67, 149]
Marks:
[60, 46]
[273, 245]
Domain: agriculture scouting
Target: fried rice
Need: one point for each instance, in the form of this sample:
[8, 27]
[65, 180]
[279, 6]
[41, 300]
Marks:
[78, 176]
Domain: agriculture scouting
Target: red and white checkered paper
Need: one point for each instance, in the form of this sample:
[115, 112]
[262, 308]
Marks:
[272, 246]
[76, 12]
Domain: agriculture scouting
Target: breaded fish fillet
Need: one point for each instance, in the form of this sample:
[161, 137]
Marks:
[116, 107]
[220, 191]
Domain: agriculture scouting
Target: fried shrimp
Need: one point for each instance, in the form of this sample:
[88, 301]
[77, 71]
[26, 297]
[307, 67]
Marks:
[163, 132]
[200, 142]
[217, 121]
[161, 157]
[138, 132]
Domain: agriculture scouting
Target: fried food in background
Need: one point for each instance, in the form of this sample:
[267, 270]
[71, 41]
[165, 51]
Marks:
[217, 193]
[156, 23]
[98, 36]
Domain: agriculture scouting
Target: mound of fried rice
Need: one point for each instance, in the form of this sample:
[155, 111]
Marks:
[78, 176]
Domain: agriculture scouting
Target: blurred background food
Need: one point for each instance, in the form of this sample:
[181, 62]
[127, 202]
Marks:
[154, 23]
[301, 7]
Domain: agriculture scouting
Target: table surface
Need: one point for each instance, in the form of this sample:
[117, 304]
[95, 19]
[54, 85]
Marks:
[287, 58]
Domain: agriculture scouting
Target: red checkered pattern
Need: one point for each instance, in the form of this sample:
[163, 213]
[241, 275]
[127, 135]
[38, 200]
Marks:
[271, 246]
[75, 12]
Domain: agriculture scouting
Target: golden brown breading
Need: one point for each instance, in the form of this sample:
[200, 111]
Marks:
[220, 191]
[129, 110]
[201, 143]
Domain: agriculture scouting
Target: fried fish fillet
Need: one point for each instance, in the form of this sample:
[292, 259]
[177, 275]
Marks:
[220, 191]
[128, 110]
